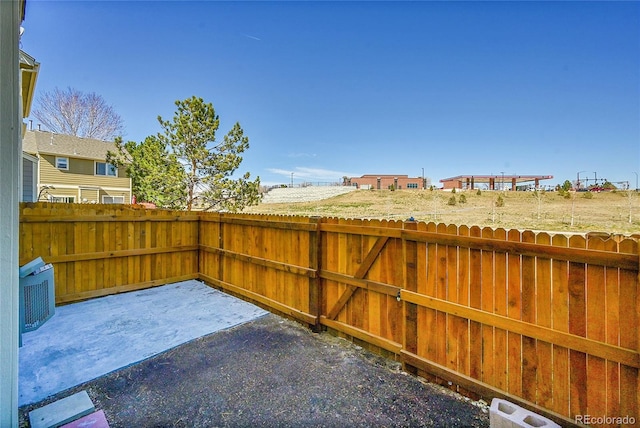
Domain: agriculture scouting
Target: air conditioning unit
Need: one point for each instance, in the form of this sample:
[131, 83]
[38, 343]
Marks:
[37, 295]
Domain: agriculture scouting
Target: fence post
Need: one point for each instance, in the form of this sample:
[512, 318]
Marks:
[314, 281]
[410, 333]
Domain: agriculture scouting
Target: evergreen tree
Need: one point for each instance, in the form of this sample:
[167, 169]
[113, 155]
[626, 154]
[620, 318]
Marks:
[209, 166]
[156, 175]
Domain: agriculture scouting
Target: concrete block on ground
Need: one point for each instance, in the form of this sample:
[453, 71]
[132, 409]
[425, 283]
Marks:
[62, 411]
[505, 414]
[94, 420]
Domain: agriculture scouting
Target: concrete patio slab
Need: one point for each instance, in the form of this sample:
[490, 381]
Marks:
[85, 340]
[272, 372]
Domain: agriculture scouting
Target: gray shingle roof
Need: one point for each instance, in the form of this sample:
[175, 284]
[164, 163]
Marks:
[65, 145]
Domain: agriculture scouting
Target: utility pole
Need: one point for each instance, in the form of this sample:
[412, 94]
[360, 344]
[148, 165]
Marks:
[292, 179]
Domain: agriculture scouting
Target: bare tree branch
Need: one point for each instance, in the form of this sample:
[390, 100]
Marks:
[72, 112]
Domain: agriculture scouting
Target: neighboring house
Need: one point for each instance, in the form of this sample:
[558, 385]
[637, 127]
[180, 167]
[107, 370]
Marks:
[29, 68]
[29, 192]
[74, 170]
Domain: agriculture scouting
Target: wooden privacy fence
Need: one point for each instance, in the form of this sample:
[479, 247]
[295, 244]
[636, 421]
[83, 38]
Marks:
[98, 250]
[547, 321]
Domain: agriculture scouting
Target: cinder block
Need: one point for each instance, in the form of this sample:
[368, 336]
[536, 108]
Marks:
[62, 411]
[505, 414]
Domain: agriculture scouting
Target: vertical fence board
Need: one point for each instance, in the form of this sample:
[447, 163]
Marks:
[355, 305]
[410, 256]
[515, 312]
[393, 259]
[529, 357]
[441, 293]
[486, 304]
[475, 301]
[577, 326]
[612, 291]
[544, 372]
[377, 312]
[422, 268]
[131, 261]
[462, 339]
[629, 336]
[452, 296]
[560, 322]
[595, 329]
[500, 308]
[430, 315]
[69, 287]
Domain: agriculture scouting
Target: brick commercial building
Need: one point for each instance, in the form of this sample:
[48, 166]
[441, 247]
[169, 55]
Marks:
[380, 182]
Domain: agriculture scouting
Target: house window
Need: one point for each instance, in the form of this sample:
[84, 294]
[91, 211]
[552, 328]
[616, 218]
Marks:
[103, 168]
[63, 199]
[113, 199]
[62, 163]
[412, 185]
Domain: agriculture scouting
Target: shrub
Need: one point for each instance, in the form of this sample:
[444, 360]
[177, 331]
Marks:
[479, 192]
[452, 200]
[462, 199]
[588, 195]
[453, 190]
[500, 201]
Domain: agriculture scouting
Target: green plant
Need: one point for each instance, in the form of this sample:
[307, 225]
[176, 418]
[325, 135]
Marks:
[462, 199]
[479, 192]
[452, 200]
[453, 190]
[500, 201]
[587, 195]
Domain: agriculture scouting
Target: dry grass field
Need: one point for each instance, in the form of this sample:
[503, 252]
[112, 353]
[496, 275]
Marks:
[609, 212]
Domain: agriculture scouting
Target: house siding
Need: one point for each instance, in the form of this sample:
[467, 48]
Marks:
[80, 173]
[28, 183]
[60, 192]
[80, 181]
[89, 195]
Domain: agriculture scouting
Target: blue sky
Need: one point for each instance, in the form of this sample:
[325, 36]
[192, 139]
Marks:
[326, 89]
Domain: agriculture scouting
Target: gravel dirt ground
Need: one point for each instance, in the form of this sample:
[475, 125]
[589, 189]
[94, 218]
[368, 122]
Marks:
[272, 372]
